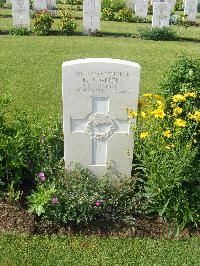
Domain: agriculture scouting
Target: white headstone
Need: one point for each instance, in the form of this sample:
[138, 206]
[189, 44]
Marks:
[190, 9]
[91, 16]
[51, 4]
[96, 93]
[161, 14]
[141, 8]
[20, 13]
[131, 4]
[40, 4]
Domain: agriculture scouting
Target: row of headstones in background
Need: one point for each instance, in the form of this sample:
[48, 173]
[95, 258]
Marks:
[92, 12]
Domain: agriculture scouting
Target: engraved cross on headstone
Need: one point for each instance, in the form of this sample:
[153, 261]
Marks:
[100, 126]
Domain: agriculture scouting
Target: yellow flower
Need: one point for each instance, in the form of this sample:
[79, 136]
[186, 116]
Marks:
[180, 122]
[144, 135]
[143, 114]
[160, 103]
[156, 96]
[190, 94]
[177, 111]
[148, 95]
[169, 146]
[167, 133]
[158, 113]
[178, 98]
[195, 116]
[131, 113]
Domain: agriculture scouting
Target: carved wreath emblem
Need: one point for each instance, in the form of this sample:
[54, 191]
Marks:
[100, 121]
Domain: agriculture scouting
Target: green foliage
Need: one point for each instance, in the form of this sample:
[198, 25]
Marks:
[74, 2]
[125, 15]
[107, 14]
[183, 76]
[42, 23]
[39, 200]
[25, 149]
[158, 34]
[150, 8]
[19, 31]
[67, 22]
[114, 5]
[80, 198]
[167, 151]
[179, 5]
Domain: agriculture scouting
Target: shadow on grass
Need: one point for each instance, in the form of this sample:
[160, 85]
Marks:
[109, 34]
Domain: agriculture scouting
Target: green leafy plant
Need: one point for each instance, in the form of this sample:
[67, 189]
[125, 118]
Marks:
[114, 5]
[125, 15]
[158, 34]
[67, 22]
[26, 149]
[42, 22]
[80, 198]
[166, 149]
[19, 31]
[107, 14]
[40, 199]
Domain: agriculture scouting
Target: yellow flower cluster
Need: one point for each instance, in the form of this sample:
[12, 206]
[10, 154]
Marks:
[167, 133]
[195, 116]
[131, 113]
[144, 135]
[177, 111]
[158, 113]
[180, 122]
[182, 98]
[178, 98]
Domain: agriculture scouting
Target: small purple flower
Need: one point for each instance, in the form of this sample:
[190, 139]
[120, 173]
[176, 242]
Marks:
[54, 201]
[98, 203]
[41, 176]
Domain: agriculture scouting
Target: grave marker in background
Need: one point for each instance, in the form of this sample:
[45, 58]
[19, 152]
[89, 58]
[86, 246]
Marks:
[141, 8]
[130, 4]
[161, 14]
[40, 4]
[190, 9]
[20, 13]
[96, 93]
[91, 16]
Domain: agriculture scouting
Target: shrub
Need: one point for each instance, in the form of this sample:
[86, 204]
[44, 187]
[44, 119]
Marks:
[179, 5]
[19, 31]
[115, 5]
[107, 14]
[67, 23]
[183, 76]
[42, 23]
[150, 8]
[125, 15]
[166, 150]
[158, 34]
[26, 149]
[78, 198]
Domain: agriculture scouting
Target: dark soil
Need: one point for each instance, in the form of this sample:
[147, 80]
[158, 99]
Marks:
[15, 218]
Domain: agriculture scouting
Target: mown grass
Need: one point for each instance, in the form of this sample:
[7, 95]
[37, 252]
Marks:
[60, 250]
[31, 66]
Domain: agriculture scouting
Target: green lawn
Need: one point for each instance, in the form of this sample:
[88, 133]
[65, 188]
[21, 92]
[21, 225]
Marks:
[30, 66]
[43, 250]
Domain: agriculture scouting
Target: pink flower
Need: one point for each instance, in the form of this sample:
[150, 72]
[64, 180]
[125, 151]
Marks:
[97, 203]
[54, 200]
[41, 176]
